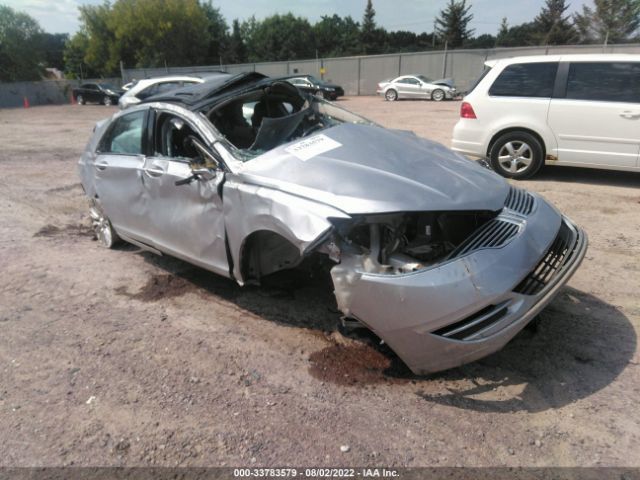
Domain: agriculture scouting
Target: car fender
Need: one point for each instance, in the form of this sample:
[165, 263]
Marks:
[251, 208]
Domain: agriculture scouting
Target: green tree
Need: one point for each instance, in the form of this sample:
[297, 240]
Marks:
[236, 49]
[75, 51]
[616, 21]
[279, 37]
[218, 34]
[153, 33]
[523, 35]
[53, 48]
[94, 22]
[372, 38]
[21, 52]
[336, 36]
[552, 26]
[485, 40]
[452, 25]
[503, 33]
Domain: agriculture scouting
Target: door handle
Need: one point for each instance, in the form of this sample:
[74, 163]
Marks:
[629, 114]
[101, 165]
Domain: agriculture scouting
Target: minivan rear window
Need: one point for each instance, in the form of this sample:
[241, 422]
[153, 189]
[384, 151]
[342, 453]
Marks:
[479, 79]
[525, 80]
[604, 81]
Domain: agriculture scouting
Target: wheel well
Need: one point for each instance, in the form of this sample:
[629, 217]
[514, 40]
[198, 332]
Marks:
[264, 252]
[517, 129]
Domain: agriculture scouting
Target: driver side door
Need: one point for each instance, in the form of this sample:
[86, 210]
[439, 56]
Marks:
[186, 219]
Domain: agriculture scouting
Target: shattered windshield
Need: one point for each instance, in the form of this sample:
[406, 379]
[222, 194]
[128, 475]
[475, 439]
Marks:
[264, 119]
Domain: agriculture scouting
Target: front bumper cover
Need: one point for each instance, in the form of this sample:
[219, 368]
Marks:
[468, 307]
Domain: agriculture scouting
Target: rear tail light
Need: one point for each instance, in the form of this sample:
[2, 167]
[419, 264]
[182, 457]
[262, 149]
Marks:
[466, 111]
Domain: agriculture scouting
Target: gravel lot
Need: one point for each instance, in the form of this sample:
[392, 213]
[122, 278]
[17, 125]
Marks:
[124, 358]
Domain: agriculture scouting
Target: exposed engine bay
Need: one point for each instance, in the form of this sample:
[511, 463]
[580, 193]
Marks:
[405, 242]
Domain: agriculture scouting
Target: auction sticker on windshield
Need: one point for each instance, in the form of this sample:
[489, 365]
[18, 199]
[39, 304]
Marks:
[312, 146]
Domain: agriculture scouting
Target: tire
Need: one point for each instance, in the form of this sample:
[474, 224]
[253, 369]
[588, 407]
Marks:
[107, 102]
[437, 95]
[516, 155]
[391, 95]
[80, 100]
[320, 94]
[104, 231]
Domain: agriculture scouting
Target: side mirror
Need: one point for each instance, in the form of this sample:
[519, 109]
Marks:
[204, 173]
[210, 161]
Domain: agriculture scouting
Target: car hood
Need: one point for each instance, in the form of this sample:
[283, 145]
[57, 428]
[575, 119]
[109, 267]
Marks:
[369, 169]
[447, 82]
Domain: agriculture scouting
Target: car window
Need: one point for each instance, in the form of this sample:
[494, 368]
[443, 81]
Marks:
[525, 80]
[604, 81]
[173, 138]
[479, 79]
[125, 135]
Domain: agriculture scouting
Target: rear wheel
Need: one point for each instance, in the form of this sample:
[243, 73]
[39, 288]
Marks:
[80, 100]
[516, 155]
[437, 95]
[107, 101]
[320, 94]
[102, 227]
[391, 95]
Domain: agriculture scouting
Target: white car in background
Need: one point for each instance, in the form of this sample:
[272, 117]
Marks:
[143, 89]
[574, 110]
[417, 87]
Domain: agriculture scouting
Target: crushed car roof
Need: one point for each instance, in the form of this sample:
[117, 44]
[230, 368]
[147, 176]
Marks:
[193, 96]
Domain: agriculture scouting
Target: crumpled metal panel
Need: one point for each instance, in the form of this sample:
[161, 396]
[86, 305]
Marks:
[375, 170]
[250, 208]
[403, 310]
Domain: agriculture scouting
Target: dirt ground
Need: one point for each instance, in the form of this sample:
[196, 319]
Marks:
[124, 358]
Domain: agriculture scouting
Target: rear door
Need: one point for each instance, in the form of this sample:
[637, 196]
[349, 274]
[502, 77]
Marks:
[597, 119]
[118, 167]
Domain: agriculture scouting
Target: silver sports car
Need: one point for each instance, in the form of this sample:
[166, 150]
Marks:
[416, 87]
[246, 176]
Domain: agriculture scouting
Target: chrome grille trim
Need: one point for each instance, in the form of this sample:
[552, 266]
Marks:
[559, 254]
[472, 327]
[520, 201]
[495, 233]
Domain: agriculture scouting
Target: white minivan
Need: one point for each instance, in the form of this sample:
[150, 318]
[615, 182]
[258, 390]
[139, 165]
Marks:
[575, 110]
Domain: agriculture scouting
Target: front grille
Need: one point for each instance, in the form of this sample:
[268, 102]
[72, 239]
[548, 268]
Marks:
[519, 201]
[493, 234]
[560, 252]
[470, 327]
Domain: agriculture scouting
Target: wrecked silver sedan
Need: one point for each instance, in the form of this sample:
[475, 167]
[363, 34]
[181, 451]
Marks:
[246, 176]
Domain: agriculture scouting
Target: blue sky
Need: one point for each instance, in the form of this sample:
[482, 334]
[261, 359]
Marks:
[414, 15]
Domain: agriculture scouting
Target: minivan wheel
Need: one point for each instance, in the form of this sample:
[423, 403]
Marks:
[105, 234]
[391, 95]
[437, 95]
[516, 155]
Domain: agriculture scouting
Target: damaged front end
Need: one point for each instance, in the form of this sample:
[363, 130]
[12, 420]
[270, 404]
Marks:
[442, 288]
